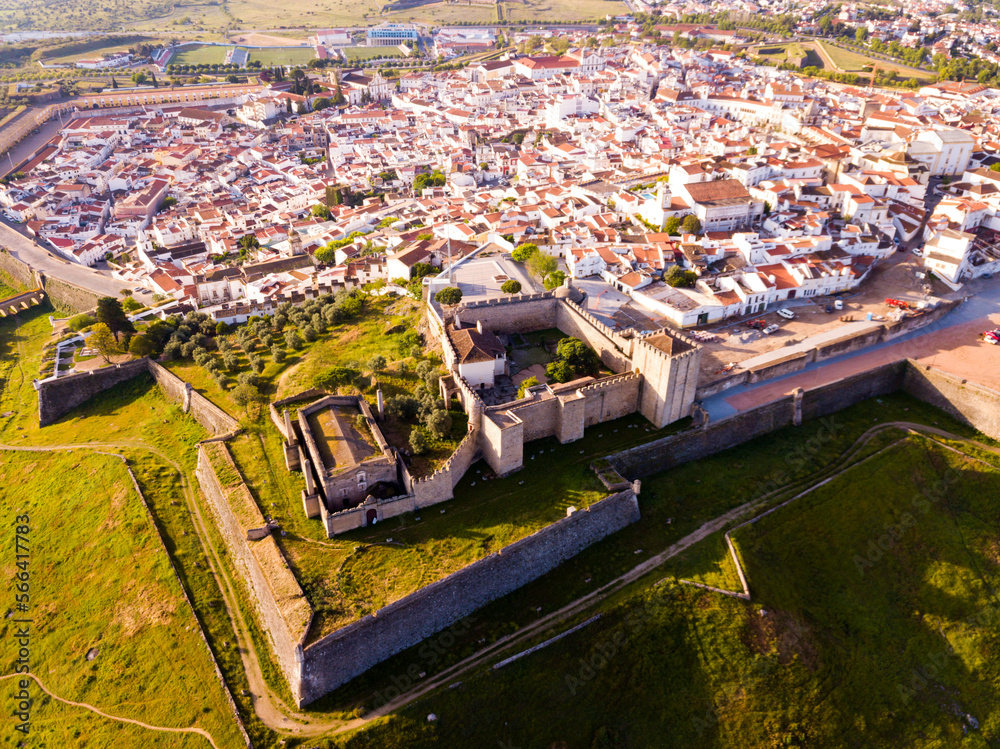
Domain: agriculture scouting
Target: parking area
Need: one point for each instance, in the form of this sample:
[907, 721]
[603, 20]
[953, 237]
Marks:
[896, 277]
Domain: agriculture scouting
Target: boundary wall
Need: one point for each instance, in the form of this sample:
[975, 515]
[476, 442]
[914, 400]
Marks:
[974, 404]
[59, 291]
[340, 656]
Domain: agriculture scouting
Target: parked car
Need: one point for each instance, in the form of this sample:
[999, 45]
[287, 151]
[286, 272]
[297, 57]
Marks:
[839, 304]
[829, 309]
[917, 251]
[991, 337]
[772, 328]
[787, 314]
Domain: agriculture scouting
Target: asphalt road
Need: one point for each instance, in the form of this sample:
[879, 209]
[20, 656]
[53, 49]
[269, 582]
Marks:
[41, 259]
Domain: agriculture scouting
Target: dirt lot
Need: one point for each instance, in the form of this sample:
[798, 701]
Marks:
[893, 278]
[265, 40]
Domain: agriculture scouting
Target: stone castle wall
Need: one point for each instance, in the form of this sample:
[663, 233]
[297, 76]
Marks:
[20, 272]
[58, 397]
[609, 345]
[611, 398]
[974, 404]
[515, 314]
[276, 596]
[340, 656]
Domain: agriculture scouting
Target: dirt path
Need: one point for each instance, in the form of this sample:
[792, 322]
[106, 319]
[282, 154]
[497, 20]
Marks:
[91, 708]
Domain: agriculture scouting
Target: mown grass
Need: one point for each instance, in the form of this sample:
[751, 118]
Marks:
[897, 656]
[283, 56]
[857, 62]
[102, 585]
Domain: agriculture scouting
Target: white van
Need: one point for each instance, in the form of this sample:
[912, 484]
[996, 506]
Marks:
[787, 314]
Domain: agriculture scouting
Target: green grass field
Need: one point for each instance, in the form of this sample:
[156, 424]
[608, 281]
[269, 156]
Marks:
[901, 655]
[283, 56]
[856, 62]
[199, 54]
[369, 53]
[111, 628]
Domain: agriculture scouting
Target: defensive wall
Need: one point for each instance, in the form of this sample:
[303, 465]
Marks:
[846, 344]
[60, 292]
[974, 404]
[340, 656]
[274, 592]
[13, 305]
[57, 397]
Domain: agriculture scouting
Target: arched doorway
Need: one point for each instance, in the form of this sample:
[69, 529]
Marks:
[371, 517]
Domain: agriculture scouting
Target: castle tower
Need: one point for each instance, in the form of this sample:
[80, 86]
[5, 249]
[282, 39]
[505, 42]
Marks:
[669, 363]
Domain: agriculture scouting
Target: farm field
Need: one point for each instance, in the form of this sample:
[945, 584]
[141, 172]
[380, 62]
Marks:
[891, 653]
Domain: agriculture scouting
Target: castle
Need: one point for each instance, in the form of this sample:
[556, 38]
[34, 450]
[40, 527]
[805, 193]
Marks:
[655, 374]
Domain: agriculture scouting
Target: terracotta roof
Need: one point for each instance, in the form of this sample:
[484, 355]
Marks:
[473, 346]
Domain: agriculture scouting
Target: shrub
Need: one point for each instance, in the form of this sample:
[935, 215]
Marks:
[678, 277]
[309, 334]
[419, 443]
[256, 363]
[221, 328]
[231, 360]
[248, 378]
[554, 280]
[334, 377]
[278, 354]
[79, 322]
[377, 363]
[511, 286]
[403, 407]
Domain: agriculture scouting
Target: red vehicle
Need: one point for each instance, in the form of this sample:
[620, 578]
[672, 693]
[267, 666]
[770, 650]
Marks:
[897, 303]
[991, 336]
[758, 324]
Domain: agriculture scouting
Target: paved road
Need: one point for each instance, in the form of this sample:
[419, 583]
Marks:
[41, 259]
[27, 147]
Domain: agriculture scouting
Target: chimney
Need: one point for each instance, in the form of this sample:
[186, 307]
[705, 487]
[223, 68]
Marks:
[479, 326]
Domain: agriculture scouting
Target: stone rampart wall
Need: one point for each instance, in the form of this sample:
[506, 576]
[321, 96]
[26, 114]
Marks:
[20, 272]
[611, 398]
[512, 314]
[58, 397]
[610, 346]
[349, 652]
[973, 404]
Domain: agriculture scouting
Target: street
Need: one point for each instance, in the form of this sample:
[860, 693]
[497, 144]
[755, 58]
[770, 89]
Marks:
[41, 259]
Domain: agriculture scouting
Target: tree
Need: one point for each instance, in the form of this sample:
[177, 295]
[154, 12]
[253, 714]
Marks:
[231, 78]
[102, 339]
[541, 265]
[449, 296]
[110, 312]
[678, 277]
[419, 442]
[554, 280]
[222, 328]
[321, 102]
[672, 226]
[245, 395]
[439, 423]
[691, 225]
[131, 304]
[995, 167]
[377, 363]
[114, 83]
[321, 212]
[510, 286]
[326, 254]
[559, 371]
[579, 356]
[141, 346]
[525, 384]
[523, 252]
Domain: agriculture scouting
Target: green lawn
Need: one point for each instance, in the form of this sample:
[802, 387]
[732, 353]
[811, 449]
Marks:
[199, 54]
[856, 62]
[369, 53]
[111, 627]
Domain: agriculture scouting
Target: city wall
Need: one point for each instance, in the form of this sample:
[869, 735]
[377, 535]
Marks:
[62, 293]
[21, 272]
[613, 349]
[514, 314]
[974, 404]
[340, 656]
[278, 600]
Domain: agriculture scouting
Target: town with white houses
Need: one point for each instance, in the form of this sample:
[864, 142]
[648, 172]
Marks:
[681, 186]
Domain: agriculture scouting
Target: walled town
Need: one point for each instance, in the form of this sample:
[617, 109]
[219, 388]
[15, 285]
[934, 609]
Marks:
[440, 338]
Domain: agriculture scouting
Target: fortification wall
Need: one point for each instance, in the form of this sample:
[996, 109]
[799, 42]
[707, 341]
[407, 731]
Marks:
[206, 413]
[693, 444]
[540, 417]
[847, 391]
[342, 655]
[69, 295]
[973, 404]
[19, 271]
[610, 346]
[57, 398]
[277, 598]
[512, 314]
[502, 442]
[611, 398]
